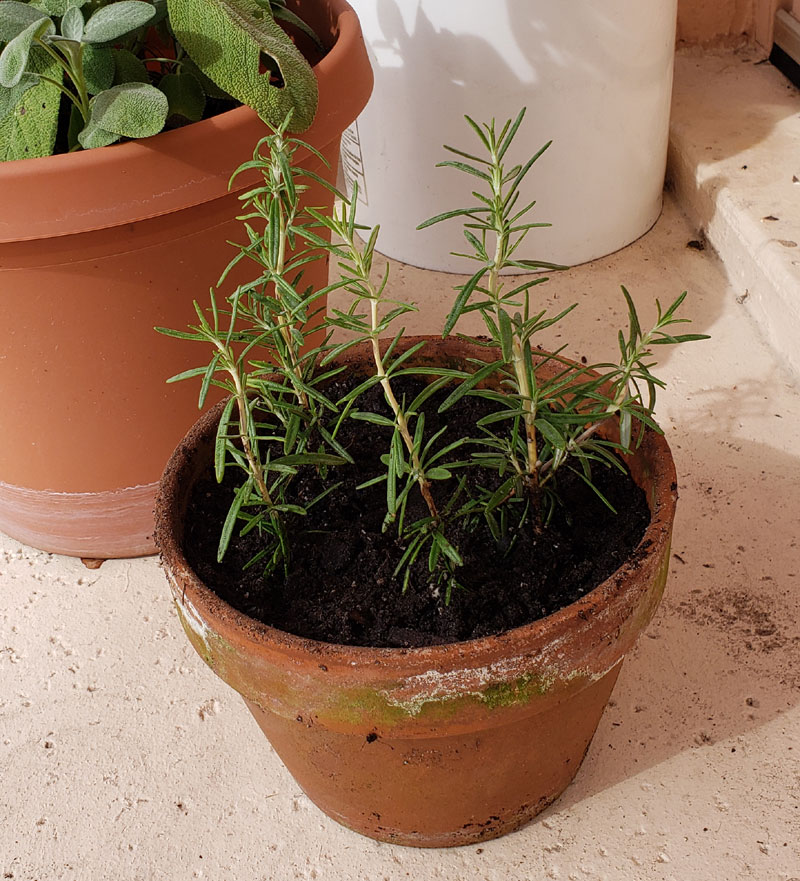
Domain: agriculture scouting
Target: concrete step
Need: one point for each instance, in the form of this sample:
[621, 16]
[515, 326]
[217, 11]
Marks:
[734, 163]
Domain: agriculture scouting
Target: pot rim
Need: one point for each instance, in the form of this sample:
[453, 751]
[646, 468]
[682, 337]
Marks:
[608, 601]
[140, 179]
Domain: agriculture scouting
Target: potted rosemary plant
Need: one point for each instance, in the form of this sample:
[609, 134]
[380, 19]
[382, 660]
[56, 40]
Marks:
[103, 240]
[419, 560]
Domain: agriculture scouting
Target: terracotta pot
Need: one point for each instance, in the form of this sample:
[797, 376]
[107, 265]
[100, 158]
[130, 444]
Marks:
[96, 249]
[437, 746]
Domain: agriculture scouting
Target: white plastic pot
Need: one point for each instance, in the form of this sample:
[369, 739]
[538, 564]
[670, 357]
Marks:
[596, 77]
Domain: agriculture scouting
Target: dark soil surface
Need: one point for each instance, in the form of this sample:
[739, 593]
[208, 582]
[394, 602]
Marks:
[340, 587]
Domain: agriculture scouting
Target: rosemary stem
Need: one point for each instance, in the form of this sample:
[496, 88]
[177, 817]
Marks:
[244, 418]
[399, 415]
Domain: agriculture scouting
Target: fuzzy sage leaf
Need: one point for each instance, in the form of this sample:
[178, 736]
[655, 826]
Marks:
[14, 57]
[110, 22]
[29, 115]
[72, 24]
[58, 8]
[231, 40]
[133, 110]
[16, 17]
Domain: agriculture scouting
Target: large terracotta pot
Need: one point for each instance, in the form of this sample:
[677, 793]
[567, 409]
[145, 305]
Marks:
[437, 746]
[96, 249]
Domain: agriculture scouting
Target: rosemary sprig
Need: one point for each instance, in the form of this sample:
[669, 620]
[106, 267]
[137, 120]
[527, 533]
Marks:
[500, 474]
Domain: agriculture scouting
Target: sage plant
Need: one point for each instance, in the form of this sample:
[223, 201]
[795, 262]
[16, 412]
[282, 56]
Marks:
[127, 67]
[56, 44]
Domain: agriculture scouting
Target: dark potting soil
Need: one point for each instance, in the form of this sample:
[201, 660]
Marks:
[340, 586]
